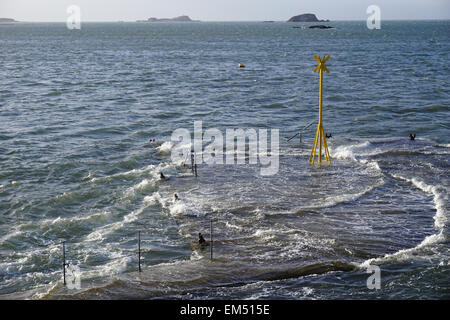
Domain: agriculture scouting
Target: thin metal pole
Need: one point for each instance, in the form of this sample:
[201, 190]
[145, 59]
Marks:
[211, 239]
[139, 250]
[320, 118]
[64, 261]
[195, 165]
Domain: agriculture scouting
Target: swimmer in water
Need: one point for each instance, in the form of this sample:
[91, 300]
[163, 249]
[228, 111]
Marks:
[151, 142]
[175, 197]
[201, 240]
[162, 176]
[412, 136]
[328, 135]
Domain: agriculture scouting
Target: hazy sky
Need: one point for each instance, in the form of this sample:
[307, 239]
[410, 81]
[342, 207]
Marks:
[221, 10]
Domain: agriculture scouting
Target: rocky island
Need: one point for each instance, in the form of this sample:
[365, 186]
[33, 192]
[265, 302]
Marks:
[176, 19]
[7, 20]
[307, 17]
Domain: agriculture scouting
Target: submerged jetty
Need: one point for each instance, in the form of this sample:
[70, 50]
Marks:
[176, 19]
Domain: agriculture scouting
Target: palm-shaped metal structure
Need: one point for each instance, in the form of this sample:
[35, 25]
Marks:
[320, 134]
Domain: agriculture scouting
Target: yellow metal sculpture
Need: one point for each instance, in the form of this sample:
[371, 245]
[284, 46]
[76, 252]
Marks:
[320, 134]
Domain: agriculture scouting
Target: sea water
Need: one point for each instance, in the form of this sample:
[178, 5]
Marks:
[77, 111]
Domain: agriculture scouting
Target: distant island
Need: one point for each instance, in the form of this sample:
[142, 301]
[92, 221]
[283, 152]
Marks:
[7, 20]
[307, 17]
[176, 19]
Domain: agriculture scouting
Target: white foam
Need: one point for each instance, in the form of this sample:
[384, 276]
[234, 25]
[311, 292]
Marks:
[371, 164]
[165, 148]
[99, 234]
[338, 199]
[407, 254]
[440, 198]
[232, 226]
[78, 218]
[154, 199]
[350, 151]
[119, 265]
[268, 234]
[141, 186]
[180, 208]
[89, 176]
[150, 169]
[51, 287]
[195, 255]
[12, 183]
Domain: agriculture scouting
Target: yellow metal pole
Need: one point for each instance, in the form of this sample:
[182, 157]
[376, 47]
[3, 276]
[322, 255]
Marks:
[320, 97]
[327, 153]
[320, 133]
[320, 116]
[313, 151]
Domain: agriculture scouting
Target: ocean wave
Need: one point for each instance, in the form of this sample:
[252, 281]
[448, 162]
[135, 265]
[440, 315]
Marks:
[12, 183]
[332, 201]
[165, 148]
[90, 176]
[176, 208]
[180, 208]
[266, 235]
[440, 199]
[410, 253]
[384, 147]
[144, 186]
[117, 265]
[152, 170]
[353, 151]
[100, 233]
[441, 219]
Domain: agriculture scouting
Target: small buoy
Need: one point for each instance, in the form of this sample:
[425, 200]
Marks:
[241, 65]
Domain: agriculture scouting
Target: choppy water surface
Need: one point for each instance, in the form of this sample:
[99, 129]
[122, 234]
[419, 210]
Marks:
[77, 109]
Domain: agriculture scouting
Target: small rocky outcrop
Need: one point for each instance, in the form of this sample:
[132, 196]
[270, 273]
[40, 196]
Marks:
[7, 20]
[320, 26]
[306, 17]
[176, 19]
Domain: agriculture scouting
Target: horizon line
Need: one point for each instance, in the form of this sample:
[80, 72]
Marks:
[194, 21]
